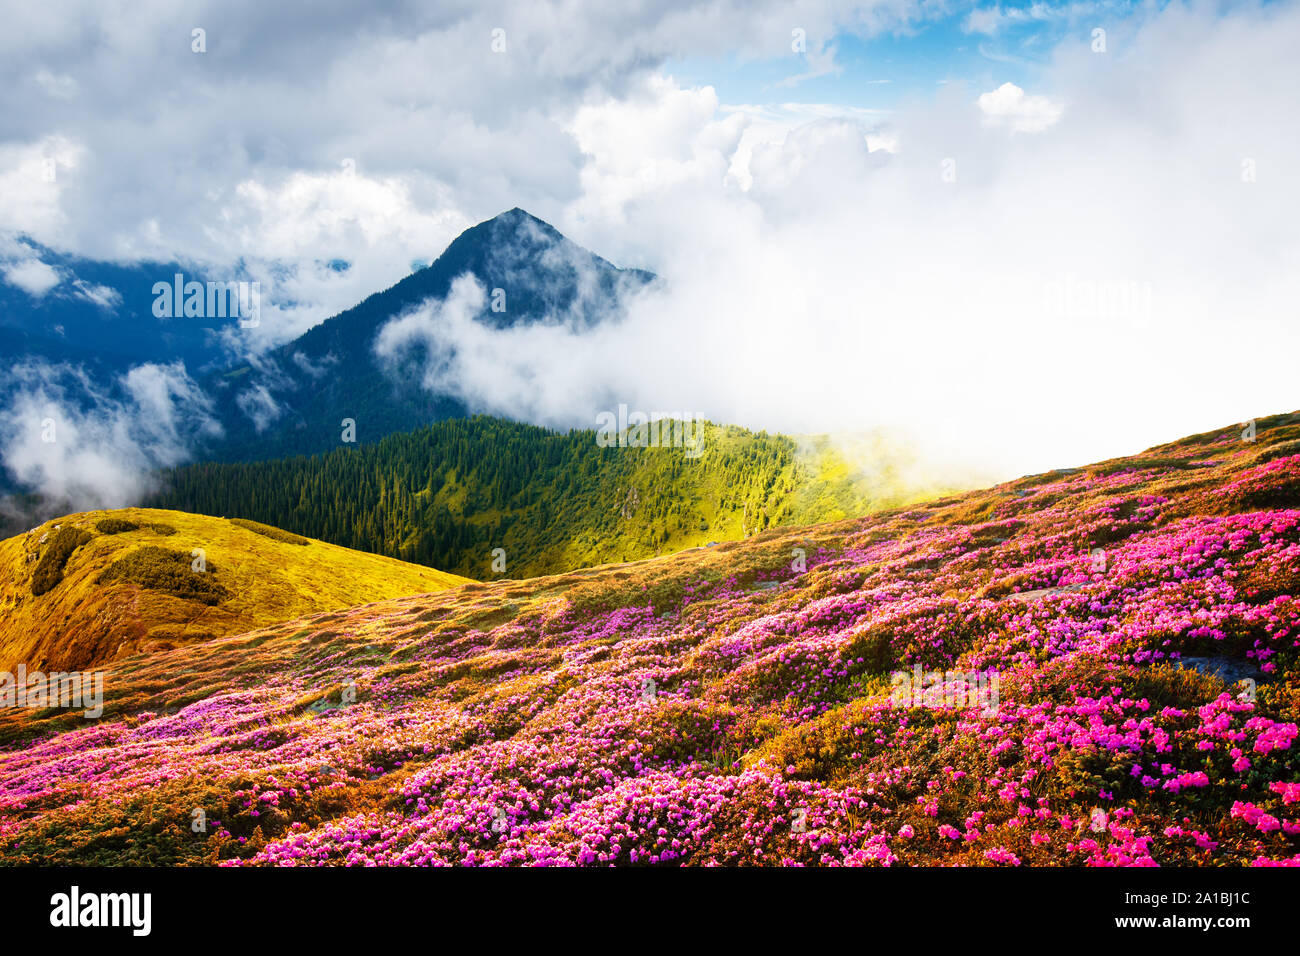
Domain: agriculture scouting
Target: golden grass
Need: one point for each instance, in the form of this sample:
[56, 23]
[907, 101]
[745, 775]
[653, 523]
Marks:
[81, 623]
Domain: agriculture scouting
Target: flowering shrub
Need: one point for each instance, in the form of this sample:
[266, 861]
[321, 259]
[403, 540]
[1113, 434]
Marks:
[718, 707]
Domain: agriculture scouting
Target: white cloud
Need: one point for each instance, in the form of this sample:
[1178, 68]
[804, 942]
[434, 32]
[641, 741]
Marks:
[1009, 106]
[991, 21]
[33, 178]
[234, 155]
[314, 369]
[770, 125]
[447, 342]
[60, 86]
[100, 295]
[260, 406]
[656, 140]
[31, 275]
[82, 445]
[820, 62]
[1066, 299]
[986, 20]
[815, 157]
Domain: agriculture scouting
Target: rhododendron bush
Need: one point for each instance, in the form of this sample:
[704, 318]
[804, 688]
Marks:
[731, 705]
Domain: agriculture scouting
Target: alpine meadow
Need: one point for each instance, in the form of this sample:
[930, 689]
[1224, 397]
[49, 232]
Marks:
[770, 434]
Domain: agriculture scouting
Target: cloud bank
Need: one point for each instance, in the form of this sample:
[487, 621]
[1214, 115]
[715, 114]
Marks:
[1017, 294]
[76, 456]
[215, 133]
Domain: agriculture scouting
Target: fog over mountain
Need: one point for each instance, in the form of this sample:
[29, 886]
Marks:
[1064, 250]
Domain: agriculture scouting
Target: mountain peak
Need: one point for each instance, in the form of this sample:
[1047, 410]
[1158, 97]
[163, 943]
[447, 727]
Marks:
[518, 212]
[515, 233]
[531, 271]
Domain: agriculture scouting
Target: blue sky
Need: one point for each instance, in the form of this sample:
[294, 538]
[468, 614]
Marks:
[980, 46]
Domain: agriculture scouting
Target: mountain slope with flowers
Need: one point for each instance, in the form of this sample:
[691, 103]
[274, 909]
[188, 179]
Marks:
[1138, 618]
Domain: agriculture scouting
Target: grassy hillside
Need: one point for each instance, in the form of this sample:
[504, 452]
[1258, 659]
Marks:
[449, 494]
[89, 588]
[735, 704]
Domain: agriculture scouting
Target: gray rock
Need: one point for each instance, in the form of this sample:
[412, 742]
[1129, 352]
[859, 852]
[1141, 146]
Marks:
[1225, 668]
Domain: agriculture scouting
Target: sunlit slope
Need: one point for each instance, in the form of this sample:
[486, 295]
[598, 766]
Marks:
[88, 588]
[737, 704]
[450, 494]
